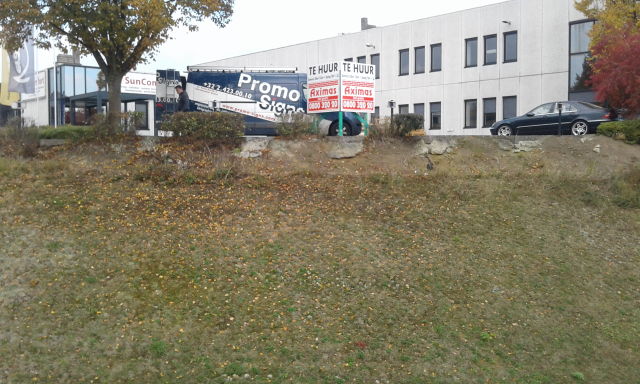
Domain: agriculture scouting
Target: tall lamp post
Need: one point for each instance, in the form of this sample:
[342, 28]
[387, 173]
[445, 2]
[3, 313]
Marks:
[392, 105]
[559, 119]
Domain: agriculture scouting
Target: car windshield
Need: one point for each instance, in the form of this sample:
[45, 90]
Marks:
[543, 109]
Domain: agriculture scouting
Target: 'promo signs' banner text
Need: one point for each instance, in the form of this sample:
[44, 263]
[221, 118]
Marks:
[341, 86]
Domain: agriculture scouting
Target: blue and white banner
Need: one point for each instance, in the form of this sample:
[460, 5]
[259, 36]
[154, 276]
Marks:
[22, 70]
[264, 96]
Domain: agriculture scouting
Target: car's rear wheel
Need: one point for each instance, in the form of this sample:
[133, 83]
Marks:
[579, 128]
[505, 130]
[347, 130]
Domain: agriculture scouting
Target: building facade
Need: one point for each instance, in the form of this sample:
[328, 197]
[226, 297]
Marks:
[463, 70]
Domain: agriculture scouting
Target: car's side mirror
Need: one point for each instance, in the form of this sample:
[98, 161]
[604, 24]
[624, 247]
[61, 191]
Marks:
[530, 114]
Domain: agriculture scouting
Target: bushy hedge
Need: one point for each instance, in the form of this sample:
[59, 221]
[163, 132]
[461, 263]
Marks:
[628, 131]
[404, 124]
[295, 125]
[68, 132]
[218, 126]
[20, 137]
[401, 126]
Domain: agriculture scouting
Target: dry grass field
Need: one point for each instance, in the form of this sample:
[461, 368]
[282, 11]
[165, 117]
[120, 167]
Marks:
[120, 266]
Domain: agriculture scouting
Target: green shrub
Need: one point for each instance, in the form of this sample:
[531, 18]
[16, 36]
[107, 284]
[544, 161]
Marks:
[401, 126]
[68, 132]
[131, 121]
[21, 137]
[296, 125]
[404, 124]
[628, 131]
[218, 126]
[380, 128]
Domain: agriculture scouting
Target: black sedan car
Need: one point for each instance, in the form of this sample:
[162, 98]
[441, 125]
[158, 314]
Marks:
[577, 118]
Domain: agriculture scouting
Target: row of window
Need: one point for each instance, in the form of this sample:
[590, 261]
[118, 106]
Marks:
[510, 53]
[509, 109]
[471, 54]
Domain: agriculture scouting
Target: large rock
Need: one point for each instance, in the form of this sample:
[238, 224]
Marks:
[253, 147]
[439, 147]
[527, 146]
[434, 146]
[345, 147]
[285, 148]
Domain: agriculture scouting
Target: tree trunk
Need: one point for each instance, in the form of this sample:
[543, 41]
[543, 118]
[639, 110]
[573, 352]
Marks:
[114, 116]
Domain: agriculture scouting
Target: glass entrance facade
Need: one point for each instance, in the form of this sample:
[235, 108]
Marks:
[78, 93]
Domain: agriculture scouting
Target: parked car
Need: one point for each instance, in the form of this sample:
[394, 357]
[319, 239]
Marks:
[578, 118]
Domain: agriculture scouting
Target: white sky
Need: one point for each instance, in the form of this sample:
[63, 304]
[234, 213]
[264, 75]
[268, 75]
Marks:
[259, 25]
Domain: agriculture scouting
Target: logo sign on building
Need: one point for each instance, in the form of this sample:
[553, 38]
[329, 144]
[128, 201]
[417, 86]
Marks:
[341, 86]
[140, 83]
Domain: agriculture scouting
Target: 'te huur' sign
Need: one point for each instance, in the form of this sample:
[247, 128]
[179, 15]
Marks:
[341, 86]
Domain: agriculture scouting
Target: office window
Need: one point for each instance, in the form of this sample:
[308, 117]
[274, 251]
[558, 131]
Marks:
[376, 113]
[436, 57]
[509, 107]
[143, 109]
[349, 59]
[403, 109]
[435, 116]
[471, 52]
[418, 109]
[489, 112]
[362, 59]
[490, 50]
[579, 68]
[470, 113]
[419, 60]
[404, 62]
[92, 79]
[375, 60]
[511, 47]
[67, 81]
[79, 80]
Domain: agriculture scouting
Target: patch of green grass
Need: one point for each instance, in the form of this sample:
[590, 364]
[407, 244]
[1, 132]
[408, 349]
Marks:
[54, 246]
[234, 369]
[487, 336]
[68, 132]
[158, 348]
[578, 376]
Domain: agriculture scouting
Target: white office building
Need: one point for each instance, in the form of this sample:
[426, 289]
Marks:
[462, 70]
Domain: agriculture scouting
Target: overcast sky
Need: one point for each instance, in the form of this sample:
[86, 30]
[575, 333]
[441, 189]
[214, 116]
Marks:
[258, 25]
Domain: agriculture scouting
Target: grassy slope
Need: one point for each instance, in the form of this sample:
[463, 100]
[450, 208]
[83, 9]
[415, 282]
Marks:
[120, 276]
